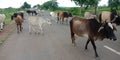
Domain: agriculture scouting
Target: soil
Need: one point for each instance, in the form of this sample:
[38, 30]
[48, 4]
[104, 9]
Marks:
[6, 31]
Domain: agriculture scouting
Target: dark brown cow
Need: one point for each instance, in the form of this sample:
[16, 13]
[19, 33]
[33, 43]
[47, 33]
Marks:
[91, 29]
[33, 12]
[62, 15]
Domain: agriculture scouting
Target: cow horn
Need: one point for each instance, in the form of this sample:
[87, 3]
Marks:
[114, 18]
[110, 25]
[100, 28]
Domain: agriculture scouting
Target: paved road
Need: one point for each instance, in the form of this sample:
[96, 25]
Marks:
[55, 44]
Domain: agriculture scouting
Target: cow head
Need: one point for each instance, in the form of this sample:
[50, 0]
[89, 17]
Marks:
[13, 16]
[107, 29]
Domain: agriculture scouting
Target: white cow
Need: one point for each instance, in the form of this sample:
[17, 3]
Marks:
[88, 15]
[2, 19]
[53, 14]
[35, 24]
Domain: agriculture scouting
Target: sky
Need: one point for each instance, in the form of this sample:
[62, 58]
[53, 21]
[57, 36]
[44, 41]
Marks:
[19, 3]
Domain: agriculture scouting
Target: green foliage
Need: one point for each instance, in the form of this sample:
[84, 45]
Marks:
[75, 10]
[26, 5]
[37, 6]
[50, 5]
[8, 12]
[86, 3]
[114, 4]
[79, 2]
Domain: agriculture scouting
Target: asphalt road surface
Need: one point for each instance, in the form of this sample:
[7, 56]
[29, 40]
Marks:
[55, 44]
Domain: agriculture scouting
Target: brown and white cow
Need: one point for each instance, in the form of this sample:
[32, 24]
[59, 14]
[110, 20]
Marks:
[91, 29]
[89, 15]
[61, 15]
[109, 17]
[112, 17]
[17, 13]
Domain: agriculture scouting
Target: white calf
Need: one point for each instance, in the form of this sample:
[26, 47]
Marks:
[53, 14]
[2, 19]
[35, 24]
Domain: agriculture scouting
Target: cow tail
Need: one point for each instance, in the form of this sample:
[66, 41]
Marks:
[71, 26]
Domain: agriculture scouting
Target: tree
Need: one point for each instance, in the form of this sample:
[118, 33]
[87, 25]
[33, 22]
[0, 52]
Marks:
[26, 5]
[86, 3]
[50, 5]
[80, 3]
[114, 4]
[37, 6]
[93, 3]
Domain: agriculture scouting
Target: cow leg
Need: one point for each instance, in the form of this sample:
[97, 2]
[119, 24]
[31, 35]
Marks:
[62, 20]
[30, 29]
[21, 28]
[32, 13]
[94, 47]
[41, 29]
[66, 20]
[73, 39]
[87, 44]
[57, 19]
[17, 28]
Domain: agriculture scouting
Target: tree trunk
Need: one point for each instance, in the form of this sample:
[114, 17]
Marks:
[95, 6]
[80, 9]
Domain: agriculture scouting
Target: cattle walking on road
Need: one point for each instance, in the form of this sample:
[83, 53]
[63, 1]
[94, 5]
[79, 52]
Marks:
[91, 29]
[19, 20]
[35, 24]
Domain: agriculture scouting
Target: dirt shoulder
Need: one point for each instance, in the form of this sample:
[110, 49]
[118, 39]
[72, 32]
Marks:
[6, 31]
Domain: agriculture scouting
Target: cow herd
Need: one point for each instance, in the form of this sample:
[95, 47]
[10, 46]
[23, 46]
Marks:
[93, 27]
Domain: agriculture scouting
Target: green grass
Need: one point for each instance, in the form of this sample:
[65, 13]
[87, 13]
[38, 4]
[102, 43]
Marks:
[8, 12]
[76, 10]
[1, 41]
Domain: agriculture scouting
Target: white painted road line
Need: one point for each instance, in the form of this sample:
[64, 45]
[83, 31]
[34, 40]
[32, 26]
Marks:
[113, 50]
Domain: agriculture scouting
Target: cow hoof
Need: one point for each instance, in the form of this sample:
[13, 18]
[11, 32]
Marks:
[86, 49]
[97, 58]
[75, 45]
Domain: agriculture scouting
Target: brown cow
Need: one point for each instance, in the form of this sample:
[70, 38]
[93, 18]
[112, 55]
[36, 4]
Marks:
[91, 29]
[18, 19]
[62, 15]
[33, 12]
